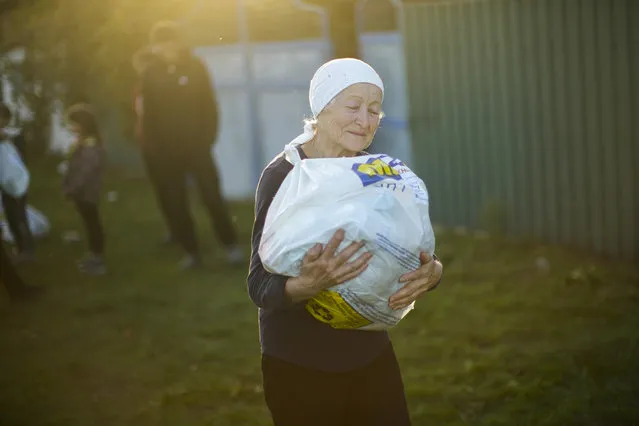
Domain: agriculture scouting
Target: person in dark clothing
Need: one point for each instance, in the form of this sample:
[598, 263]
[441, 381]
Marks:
[141, 60]
[180, 124]
[83, 182]
[15, 208]
[14, 180]
[314, 374]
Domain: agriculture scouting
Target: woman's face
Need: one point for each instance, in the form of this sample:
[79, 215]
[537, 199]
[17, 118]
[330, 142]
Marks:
[352, 118]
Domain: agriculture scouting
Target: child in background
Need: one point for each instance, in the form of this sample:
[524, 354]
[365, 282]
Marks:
[83, 182]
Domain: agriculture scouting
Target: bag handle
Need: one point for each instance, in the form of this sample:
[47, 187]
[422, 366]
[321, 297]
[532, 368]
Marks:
[290, 150]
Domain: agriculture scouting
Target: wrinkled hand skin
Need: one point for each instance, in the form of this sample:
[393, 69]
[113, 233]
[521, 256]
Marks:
[418, 282]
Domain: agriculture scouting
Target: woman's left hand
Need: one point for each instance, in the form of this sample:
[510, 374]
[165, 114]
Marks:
[417, 282]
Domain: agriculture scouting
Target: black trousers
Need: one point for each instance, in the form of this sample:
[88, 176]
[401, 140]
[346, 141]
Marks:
[371, 396]
[9, 276]
[153, 166]
[15, 211]
[93, 225]
[199, 164]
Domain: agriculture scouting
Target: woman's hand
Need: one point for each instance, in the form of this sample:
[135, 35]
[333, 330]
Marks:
[417, 282]
[322, 268]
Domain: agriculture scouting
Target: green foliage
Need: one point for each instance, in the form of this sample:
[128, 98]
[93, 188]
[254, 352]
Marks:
[78, 50]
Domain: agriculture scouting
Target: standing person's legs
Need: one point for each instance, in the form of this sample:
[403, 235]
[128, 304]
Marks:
[9, 276]
[154, 173]
[173, 180]
[16, 288]
[16, 211]
[377, 395]
[299, 396]
[11, 215]
[28, 243]
[207, 178]
[95, 234]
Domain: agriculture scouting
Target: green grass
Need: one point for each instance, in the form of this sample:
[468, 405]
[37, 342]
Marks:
[500, 343]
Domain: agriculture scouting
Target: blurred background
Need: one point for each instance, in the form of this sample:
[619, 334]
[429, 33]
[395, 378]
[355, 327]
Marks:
[520, 115]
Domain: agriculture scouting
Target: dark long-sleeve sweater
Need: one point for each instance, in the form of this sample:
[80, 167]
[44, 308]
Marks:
[179, 111]
[83, 180]
[289, 332]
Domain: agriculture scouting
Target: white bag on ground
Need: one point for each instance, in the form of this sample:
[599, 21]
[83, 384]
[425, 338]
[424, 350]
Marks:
[374, 198]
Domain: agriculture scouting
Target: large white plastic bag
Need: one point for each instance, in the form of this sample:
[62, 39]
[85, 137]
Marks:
[374, 198]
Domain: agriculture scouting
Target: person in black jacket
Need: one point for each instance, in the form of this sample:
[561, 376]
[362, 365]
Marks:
[15, 208]
[180, 124]
[141, 59]
[14, 180]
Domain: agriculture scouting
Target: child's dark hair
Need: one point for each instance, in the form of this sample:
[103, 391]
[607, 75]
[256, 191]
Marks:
[83, 115]
[5, 112]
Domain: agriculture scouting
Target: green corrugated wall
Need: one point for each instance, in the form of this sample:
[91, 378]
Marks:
[525, 116]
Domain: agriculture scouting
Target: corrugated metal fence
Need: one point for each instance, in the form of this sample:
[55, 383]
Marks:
[525, 114]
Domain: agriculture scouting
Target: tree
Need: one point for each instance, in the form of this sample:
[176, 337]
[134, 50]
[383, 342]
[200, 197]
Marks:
[343, 31]
[77, 50]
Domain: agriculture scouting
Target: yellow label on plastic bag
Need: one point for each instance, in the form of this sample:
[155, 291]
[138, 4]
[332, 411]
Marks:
[330, 308]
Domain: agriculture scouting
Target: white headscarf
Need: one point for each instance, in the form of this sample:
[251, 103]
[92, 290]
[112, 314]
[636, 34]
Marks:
[329, 81]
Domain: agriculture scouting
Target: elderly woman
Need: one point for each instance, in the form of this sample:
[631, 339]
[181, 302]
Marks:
[314, 374]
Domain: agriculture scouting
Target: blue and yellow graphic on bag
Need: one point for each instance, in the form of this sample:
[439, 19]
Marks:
[330, 307]
[375, 170]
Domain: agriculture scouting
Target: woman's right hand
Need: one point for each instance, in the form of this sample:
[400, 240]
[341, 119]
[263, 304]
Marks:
[323, 268]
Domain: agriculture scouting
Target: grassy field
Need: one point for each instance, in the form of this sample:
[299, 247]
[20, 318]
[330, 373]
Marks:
[501, 342]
